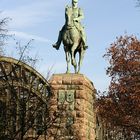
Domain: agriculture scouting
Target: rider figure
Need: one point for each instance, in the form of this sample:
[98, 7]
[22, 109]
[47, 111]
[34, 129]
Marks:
[78, 16]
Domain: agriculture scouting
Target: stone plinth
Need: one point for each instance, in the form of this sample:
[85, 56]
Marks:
[72, 107]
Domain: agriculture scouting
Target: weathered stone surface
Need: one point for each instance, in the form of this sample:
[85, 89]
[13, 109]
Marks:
[66, 80]
[81, 94]
[58, 87]
[73, 101]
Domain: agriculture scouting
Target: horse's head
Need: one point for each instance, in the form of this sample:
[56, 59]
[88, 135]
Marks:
[69, 17]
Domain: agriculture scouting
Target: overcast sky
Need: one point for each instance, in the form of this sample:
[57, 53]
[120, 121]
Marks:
[42, 19]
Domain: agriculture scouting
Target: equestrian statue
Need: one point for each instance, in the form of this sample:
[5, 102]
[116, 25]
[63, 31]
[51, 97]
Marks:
[73, 36]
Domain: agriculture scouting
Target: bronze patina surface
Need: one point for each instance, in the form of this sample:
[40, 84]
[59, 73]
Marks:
[73, 36]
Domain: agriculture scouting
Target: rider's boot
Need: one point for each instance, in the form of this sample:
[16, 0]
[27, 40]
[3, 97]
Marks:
[85, 46]
[57, 44]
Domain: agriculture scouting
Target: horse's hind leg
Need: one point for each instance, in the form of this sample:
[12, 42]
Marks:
[68, 61]
[81, 56]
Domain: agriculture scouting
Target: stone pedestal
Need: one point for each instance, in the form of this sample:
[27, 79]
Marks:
[72, 108]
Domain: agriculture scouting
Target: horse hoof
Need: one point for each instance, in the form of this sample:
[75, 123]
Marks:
[67, 72]
[77, 72]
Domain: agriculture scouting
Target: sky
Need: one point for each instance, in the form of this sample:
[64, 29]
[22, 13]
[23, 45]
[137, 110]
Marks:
[42, 20]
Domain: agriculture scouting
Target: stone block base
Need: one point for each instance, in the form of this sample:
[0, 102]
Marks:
[72, 108]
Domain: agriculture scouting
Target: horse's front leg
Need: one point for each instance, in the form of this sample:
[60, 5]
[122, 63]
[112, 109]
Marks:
[73, 60]
[68, 61]
[81, 56]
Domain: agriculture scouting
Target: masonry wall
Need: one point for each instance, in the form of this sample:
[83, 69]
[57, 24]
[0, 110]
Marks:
[72, 107]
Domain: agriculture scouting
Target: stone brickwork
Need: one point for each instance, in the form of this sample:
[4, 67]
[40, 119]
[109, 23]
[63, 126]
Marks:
[72, 108]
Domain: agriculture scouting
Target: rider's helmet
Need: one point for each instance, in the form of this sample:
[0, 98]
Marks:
[75, 1]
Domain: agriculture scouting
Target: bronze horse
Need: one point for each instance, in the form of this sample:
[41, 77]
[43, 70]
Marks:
[72, 42]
